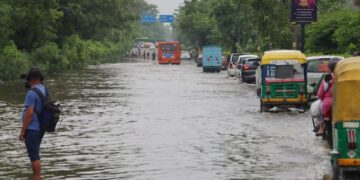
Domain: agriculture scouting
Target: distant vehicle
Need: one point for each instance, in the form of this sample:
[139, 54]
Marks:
[317, 67]
[185, 55]
[232, 63]
[169, 52]
[199, 60]
[248, 68]
[212, 59]
[239, 63]
[224, 63]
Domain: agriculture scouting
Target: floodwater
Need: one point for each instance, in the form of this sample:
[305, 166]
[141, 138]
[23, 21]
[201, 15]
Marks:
[141, 120]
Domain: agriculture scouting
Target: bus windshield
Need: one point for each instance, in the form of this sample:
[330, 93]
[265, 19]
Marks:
[168, 47]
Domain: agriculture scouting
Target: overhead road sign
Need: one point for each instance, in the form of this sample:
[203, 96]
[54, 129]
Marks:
[148, 19]
[166, 18]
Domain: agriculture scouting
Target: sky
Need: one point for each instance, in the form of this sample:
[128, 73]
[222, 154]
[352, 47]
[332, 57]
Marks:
[166, 7]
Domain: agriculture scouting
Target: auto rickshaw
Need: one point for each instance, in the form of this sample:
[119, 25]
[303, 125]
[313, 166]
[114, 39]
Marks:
[346, 117]
[282, 81]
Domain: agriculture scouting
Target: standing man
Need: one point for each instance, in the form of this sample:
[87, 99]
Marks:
[153, 56]
[31, 132]
[148, 54]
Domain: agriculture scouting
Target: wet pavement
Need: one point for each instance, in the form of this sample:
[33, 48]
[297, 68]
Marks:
[141, 120]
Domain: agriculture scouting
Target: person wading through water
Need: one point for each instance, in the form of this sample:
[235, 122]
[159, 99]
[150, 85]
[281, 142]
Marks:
[153, 56]
[31, 132]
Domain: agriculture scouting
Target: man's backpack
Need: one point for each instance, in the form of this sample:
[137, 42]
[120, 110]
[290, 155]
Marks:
[50, 113]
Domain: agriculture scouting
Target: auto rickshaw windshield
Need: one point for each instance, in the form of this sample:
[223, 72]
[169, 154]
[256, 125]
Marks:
[284, 69]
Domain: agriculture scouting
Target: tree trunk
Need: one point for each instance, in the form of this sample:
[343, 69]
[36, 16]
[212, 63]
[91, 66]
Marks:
[357, 2]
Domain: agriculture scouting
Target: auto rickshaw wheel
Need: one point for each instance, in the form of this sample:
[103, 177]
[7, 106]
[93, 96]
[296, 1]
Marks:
[337, 173]
[265, 107]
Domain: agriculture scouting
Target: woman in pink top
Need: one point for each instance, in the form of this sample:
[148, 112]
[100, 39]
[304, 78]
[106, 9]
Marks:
[325, 93]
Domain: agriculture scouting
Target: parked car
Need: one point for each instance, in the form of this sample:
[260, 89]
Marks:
[240, 62]
[317, 67]
[248, 68]
[199, 60]
[185, 55]
[232, 63]
[224, 63]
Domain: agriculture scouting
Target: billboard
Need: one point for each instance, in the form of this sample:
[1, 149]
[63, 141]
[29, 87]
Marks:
[303, 11]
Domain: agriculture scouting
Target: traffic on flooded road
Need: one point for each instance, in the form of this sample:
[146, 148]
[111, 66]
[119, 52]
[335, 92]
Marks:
[180, 89]
[141, 120]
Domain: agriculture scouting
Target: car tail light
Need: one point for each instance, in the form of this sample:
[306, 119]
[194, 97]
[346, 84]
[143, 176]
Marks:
[246, 67]
[351, 138]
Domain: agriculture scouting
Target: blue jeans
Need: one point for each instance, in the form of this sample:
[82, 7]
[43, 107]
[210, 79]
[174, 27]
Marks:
[32, 141]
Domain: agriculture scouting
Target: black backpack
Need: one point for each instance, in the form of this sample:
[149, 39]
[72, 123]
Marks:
[50, 114]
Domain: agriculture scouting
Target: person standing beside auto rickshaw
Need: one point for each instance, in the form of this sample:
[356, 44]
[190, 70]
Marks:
[325, 93]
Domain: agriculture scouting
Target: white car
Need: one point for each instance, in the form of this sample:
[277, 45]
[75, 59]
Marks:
[317, 66]
[185, 55]
[232, 63]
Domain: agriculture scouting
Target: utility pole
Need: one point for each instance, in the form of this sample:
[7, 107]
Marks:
[302, 47]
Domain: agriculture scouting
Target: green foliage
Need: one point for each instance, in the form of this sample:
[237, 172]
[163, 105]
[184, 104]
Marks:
[35, 22]
[236, 25]
[57, 35]
[12, 62]
[248, 24]
[336, 32]
[47, 57]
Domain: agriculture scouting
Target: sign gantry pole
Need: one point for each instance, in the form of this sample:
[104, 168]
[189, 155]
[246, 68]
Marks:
[303, 12]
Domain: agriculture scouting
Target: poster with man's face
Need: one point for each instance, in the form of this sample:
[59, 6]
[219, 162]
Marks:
[304, 11]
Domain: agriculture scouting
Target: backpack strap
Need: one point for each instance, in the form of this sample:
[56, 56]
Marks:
[42, 99]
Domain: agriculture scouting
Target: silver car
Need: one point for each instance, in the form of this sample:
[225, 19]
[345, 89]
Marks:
[317, 66]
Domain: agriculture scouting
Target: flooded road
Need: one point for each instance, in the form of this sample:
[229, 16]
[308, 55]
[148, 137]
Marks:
[140, 120]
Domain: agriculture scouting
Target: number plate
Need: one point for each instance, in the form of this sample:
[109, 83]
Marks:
[351, 125]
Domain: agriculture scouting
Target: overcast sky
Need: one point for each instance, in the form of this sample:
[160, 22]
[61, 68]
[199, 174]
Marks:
[166, 6]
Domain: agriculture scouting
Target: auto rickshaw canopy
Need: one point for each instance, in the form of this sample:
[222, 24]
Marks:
[346, 105]
[283, 55]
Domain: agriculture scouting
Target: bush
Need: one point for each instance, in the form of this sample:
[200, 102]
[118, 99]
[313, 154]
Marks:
[12, 62]
[75, 51]
[48, 58]
[336, 32]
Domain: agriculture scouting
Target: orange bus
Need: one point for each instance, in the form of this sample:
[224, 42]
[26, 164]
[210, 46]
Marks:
[169, 52]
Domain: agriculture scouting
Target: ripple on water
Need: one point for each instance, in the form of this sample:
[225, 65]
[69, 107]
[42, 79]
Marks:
[146, 121]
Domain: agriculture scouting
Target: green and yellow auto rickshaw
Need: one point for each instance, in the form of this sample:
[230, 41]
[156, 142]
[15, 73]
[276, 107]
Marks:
[346, 117]
[282, 80]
